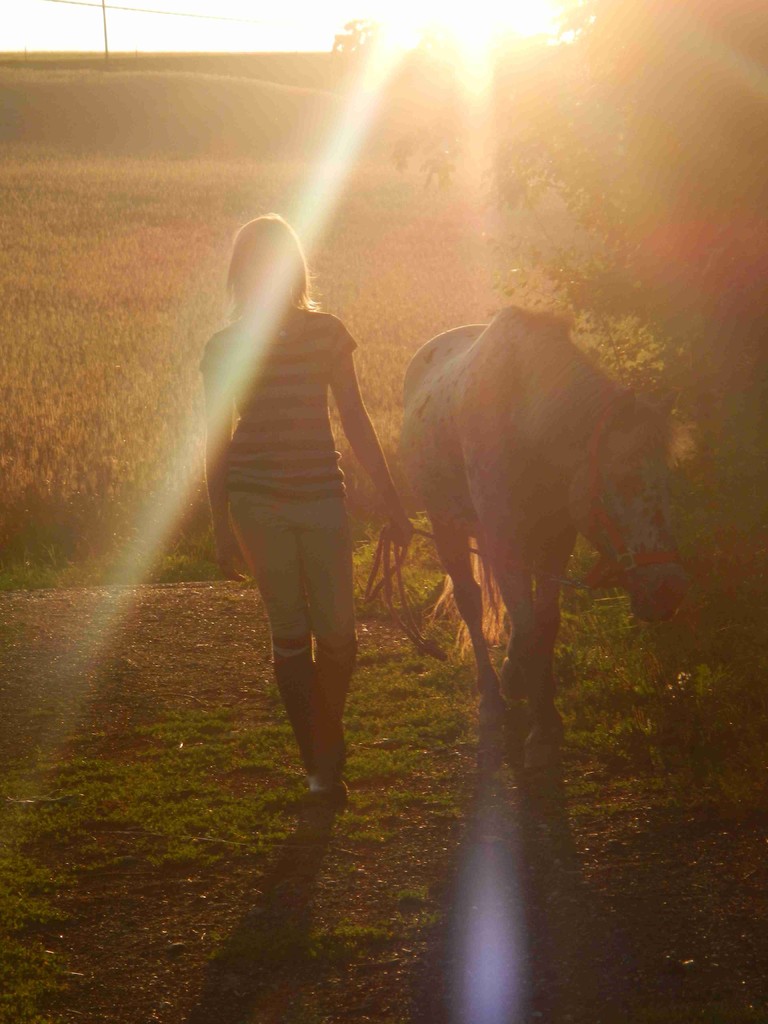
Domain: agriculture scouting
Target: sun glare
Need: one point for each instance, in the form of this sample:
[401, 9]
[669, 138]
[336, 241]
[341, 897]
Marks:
[473, 27]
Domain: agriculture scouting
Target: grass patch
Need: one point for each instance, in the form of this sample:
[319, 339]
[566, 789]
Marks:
[29, 976]
[175, 803]
[172, 807]
[193, 791]
[285, 945]
[718, 1013]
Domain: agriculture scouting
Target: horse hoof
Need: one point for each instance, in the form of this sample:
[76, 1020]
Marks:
[493, 708]
[542, 751]
[516, 728]
[490, 755]
[543, 755]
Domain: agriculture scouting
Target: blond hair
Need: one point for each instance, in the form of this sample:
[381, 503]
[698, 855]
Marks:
[268, 243]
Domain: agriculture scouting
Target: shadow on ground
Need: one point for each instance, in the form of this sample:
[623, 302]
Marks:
[646, 913]
[241, 983]
[515, 938]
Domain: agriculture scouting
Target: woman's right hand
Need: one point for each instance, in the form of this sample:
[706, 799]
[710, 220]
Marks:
[230, 558]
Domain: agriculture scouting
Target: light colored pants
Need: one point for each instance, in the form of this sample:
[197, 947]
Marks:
[300, 553]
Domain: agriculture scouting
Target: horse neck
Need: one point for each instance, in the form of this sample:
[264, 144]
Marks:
[567, 396]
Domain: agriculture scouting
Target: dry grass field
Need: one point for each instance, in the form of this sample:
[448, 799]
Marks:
[111, 278]
[306, 70]
[149, 112]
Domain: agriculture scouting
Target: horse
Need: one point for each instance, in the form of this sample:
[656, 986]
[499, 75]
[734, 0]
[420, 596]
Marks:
[513, 437]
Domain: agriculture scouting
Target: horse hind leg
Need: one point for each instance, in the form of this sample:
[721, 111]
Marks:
[529, 663]
[453, 549]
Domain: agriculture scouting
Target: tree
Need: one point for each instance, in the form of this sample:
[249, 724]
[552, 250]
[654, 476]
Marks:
[650, 125]
[357, 37]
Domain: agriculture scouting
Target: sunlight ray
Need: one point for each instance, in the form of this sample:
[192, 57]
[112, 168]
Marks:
[309, 212]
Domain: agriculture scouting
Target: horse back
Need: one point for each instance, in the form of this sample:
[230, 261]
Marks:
[430, 447]
[435, 360]
[469, 444]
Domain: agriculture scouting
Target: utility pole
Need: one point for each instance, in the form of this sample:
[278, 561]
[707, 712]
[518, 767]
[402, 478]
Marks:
[104, 18]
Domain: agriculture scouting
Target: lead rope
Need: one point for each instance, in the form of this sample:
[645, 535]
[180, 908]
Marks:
[386, 578]
[388, 561]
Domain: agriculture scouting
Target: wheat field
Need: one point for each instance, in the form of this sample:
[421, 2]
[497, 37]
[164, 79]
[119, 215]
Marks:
[111, 279]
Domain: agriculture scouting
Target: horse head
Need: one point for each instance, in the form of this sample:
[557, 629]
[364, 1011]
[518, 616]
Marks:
[620, 501]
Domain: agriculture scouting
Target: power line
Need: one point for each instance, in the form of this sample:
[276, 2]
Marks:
[172, 14]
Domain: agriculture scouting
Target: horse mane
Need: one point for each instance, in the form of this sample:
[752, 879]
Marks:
[573, 389]
[654, 430]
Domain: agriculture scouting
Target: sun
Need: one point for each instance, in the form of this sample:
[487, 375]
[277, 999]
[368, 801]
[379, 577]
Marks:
[472, 28]
[477, 25]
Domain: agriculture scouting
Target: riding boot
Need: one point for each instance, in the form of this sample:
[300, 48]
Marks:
[295, 677]
[333, 672]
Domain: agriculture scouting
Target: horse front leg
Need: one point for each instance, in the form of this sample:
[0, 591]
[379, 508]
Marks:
[542, 745]
[516, 587]
[453, 549]
[528, 670]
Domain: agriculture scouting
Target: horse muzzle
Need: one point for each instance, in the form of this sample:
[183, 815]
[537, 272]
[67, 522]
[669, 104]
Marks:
[656, 592]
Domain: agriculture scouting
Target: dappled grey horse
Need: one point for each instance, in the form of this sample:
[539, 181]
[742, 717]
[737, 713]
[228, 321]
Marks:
[512, 436]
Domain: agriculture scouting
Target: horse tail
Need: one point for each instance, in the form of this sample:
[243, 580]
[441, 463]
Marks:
[493, 606]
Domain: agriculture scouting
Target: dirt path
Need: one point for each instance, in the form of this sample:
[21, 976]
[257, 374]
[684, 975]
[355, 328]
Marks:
[538, 899]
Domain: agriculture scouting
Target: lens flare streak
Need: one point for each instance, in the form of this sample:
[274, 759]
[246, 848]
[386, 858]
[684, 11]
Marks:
[488, 988]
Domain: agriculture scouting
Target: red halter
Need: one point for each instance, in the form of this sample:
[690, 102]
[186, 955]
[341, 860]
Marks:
[610, 570]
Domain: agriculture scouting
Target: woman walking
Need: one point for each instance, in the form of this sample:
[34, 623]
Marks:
[275, 486]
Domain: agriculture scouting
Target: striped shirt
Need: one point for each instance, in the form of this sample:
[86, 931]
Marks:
[282, 446]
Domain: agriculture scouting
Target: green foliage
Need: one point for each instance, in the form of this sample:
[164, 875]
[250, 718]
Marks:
[647, 127]
[678, 701]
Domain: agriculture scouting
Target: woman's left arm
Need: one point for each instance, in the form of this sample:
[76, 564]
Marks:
[365, 443]
[218, 422]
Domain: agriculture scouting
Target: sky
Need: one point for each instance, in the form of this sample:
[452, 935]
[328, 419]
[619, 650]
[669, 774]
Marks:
[290, 25]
